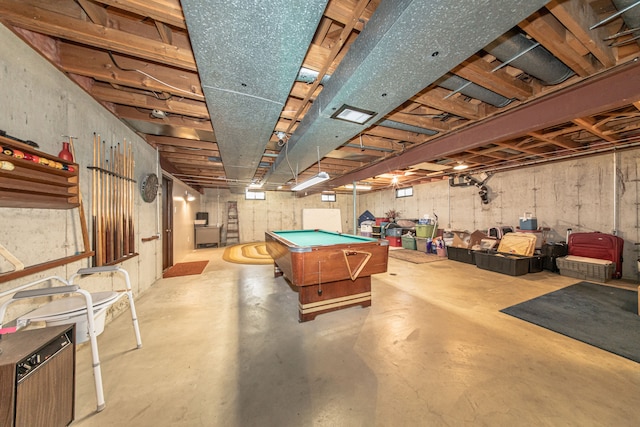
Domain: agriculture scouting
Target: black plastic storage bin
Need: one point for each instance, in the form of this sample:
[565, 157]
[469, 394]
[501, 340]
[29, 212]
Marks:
[461, 254]
[536, 263]
[513, 265]
[553, 251]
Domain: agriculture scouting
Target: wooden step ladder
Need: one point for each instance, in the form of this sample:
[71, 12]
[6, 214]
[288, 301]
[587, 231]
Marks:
[233, 231]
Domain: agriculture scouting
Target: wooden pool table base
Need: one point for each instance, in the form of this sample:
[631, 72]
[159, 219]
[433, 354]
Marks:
[332, 296]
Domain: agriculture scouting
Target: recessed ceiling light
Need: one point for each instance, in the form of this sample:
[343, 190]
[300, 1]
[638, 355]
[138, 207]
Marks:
[353, 114]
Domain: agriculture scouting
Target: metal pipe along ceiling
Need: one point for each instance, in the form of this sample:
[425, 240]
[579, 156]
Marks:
[405, 47]
[472, 90]
[537, 62]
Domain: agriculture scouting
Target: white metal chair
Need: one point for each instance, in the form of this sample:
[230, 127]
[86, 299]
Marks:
[69, 288]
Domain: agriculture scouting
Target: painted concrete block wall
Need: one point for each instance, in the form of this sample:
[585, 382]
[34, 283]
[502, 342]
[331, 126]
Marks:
[40, 104]
[280, 211]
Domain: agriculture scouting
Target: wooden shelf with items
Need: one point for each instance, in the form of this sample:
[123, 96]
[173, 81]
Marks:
[30, 182]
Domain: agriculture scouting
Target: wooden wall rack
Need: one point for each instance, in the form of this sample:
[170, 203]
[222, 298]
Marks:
[37, 185]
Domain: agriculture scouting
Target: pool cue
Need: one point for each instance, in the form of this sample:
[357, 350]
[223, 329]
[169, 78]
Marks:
[103, 202]
[109, 207]
[132, 237]
[121, 253]
[94, 204]
[99, 237]
[125, 210]
[118, 206]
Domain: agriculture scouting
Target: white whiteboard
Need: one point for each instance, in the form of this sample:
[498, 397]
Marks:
[322, 219]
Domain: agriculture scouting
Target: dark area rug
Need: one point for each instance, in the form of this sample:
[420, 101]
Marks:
[599, 315]
[415, 257]
[186, 269]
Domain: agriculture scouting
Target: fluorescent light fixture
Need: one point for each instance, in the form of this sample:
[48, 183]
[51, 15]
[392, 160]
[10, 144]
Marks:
[359, 186]
[255, 185]
[353, 114]
[320, 177]
[460, 166]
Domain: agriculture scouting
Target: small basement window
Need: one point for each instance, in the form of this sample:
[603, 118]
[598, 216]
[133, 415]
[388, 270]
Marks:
[404, 192]
[328, 197]
[255, 195]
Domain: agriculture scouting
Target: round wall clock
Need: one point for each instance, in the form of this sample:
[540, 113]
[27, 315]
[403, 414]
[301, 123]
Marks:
[149, 187]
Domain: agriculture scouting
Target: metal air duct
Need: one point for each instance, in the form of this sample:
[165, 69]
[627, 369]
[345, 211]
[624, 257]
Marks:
[405, 47]
[472, 90]
[248, 55]
[537, 61]
[403, 126]
[309, 76]
[632, 16]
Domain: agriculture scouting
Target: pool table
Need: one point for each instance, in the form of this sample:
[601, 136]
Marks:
[331, 270]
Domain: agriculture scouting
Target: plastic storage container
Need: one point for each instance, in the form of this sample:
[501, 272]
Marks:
[586, 268]
[409, 242]
[394, 241]
[393, 232]
[424, 230]
[461, 254]
[513, 265]
[528, 222]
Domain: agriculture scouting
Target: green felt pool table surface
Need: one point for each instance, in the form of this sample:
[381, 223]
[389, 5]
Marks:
[320, 237]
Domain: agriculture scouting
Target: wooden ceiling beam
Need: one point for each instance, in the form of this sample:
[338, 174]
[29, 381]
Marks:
[98, 65]
[342, 12]
[588, 124]
[132, 113]
[167, 11]
[437, 98]
[166, 35]
[157, 141]
[565, 143]
[96, 13]
[397, 134]
[547, 31]
[420, 121]
[480, 72]
[22, 14]
[577, 16]
[184, 107]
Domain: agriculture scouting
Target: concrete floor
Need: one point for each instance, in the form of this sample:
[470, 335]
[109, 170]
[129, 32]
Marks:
[225, 349]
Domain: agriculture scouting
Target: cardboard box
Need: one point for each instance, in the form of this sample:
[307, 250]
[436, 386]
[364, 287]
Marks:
[540, 236]
[518, 244]
[461, 239]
